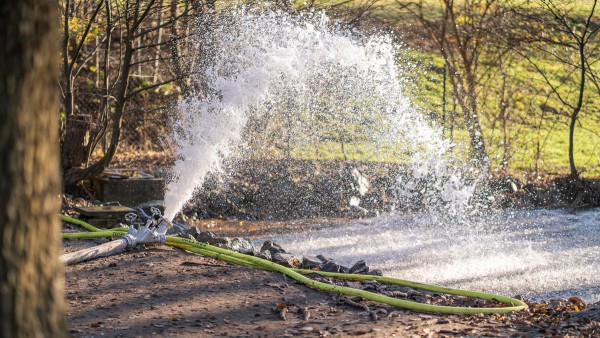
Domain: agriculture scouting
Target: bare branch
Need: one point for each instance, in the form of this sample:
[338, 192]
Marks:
[164, 43]
[84, 36]
[155, 85]
[142, 17]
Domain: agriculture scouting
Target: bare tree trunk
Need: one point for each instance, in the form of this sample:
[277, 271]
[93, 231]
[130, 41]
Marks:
[176, 49]
[68, 90]
[73, 175]
[159, 41]
[74, 139]
[464, 93]
[97, 64]
[575, 35]
[572, 167]
[503, 113]
[139, 57]
[135, 21]
[576, 110]
[479, 155]
[31, 280]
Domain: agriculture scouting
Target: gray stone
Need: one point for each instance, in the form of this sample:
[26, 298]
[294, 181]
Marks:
[331, 266]
[272, 247]
[286, 259]
[190, 237]
[242, 245]
[264, 255]
[375, 272]
[211, 238]
[324, 259]
[193, 231]
[221, 242]
[179, 227]
[359, 267]
[309, 262]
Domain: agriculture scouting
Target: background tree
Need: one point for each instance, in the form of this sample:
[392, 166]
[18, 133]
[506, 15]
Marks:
[141, 54]
[564, 33]
[31, 281]
[355, 13]
[462, 33]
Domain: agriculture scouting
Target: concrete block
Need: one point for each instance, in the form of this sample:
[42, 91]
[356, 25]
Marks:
[128, 187]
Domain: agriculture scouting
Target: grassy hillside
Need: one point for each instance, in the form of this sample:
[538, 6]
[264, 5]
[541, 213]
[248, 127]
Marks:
[536, 124]
[538, 139]
[531, 136]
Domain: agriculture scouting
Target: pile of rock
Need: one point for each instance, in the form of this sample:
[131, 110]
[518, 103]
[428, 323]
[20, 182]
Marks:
[275, 253]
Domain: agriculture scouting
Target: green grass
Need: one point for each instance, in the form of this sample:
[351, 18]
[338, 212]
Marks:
[525, 137]
[527, 130]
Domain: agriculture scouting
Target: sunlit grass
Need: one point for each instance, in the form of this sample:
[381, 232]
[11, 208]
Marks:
[535, 145]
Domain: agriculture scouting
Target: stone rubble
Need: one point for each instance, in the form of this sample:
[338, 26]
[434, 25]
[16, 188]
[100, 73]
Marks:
[275, 253]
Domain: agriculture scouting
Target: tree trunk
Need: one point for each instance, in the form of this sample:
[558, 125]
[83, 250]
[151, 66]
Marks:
[74, 174]
[572, 167]
[31, 279]
[158, 41]
[74, 145]
[576, 110]
[467, 99]
[479, 153]
[176, 51]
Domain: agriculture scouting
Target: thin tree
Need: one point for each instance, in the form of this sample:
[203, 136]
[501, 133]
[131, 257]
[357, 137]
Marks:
[565, 33]
[31, 278]
[131, 39]
[464, 33]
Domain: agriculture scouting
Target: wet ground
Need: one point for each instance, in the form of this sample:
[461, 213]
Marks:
[539, 254]
[170, 293]
[161, 291]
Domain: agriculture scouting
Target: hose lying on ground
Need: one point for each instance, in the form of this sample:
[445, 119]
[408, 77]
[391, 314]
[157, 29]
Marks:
[296, 274]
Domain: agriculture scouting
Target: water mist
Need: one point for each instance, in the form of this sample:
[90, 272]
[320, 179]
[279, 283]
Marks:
[322, 79]
[316, 73]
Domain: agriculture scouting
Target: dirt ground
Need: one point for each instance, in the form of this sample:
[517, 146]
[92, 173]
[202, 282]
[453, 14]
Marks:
[161, 291]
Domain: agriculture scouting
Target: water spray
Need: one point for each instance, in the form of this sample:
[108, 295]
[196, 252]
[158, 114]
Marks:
[154, 232]
[322, 79]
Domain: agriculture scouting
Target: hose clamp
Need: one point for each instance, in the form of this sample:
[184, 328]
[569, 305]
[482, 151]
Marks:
[153, 232]
[131, 241]
[160, 238]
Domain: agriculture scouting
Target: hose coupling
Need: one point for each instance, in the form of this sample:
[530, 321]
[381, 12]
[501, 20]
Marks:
[131, 241]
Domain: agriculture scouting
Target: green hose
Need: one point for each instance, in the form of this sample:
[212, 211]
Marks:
[79, 222]
[86, 225]
[95, 234]
[298, 275]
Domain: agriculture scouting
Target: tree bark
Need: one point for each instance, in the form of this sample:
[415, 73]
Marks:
[479, 153]
[577, 109]
[31, 277]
